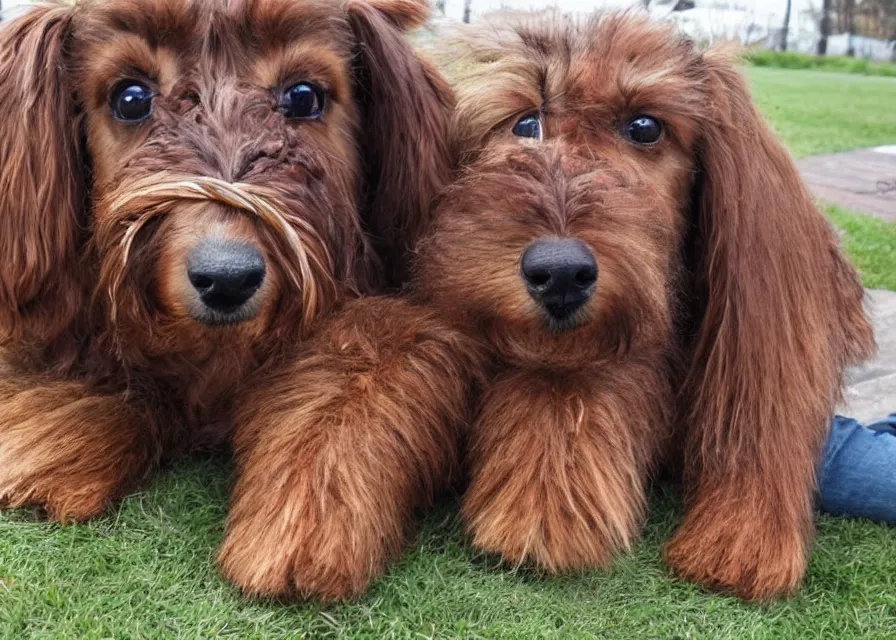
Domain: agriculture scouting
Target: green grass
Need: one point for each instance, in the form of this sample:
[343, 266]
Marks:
[823, 113]
[146, 570]
[818, 113]
[871, 245]
[835, 64]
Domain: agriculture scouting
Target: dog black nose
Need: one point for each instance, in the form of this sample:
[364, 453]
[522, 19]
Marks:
[560, 274]
[225, 274]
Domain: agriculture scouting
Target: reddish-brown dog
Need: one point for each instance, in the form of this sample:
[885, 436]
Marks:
[655, 284]
[185, 192]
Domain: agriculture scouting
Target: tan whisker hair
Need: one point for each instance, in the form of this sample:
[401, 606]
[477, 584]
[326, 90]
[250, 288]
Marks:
[156, 197]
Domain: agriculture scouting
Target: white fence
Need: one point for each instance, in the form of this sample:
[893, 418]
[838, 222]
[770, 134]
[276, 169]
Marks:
[864, 47]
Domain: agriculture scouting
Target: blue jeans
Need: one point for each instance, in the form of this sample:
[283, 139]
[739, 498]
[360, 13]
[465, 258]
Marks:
[858, 473]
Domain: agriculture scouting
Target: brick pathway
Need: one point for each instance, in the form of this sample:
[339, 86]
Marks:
[862, 180]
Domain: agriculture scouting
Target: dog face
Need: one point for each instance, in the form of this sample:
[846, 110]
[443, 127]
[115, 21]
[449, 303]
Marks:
[562, 231]
[259, 95]
[618, 189]
[224, 149]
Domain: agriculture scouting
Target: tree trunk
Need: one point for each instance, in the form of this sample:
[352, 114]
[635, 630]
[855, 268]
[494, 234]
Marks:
[468, 6]
[850, 10]
[786, 28]
[825, 27]
[440, 6]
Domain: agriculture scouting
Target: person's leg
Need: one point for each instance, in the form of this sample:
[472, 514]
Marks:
[888, 425]
[858, 473]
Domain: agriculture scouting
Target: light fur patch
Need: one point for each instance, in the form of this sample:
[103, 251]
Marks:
[156, 197]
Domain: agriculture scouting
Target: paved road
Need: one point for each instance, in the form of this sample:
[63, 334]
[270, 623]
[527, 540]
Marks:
[871, 392]
[862, 180]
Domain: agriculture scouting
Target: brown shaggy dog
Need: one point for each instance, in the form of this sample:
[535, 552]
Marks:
[185, 189]
[655, 285]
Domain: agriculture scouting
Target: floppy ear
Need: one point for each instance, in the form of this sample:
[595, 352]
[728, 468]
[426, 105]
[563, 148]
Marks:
[782, 314]
[41, 191]
[779, 317]
[405, 110]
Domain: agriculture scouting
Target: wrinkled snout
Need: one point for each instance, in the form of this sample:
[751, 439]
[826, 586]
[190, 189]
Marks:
[226, 276]
[560, 275]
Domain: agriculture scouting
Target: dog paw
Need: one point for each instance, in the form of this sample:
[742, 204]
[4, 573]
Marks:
[546, 488]
[551, 540]
[69, 453]
[65, 496]
[560, 524]
[756, 559]
[300, 564]
[307, 549]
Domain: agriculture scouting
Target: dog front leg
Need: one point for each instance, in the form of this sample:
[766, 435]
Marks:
[559, 462]
[336, 452]
[69, 449]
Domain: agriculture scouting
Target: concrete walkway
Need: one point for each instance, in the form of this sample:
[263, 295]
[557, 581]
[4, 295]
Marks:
[862, 180]
[871, 391]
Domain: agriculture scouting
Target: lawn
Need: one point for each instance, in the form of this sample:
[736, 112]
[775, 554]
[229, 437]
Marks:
[146, 569]
[818, 112]
[830, 64]
[871, 244]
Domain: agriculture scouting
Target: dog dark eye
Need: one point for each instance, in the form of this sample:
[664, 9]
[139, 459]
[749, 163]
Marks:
[131, 101]
[528, 127]
[304, 101]
[644, 130]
